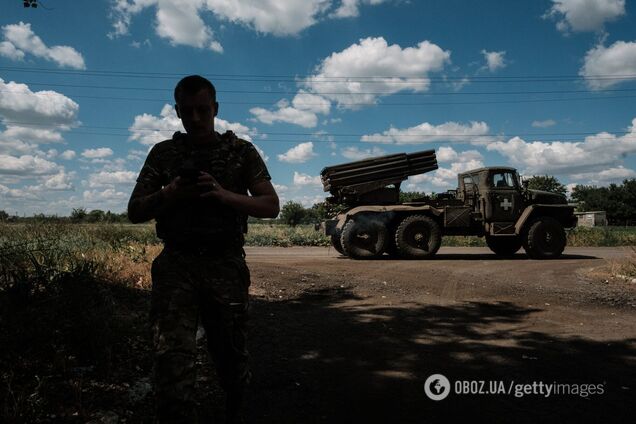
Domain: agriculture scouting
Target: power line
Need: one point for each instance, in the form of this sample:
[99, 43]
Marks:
[323, 79]
[378, 93]
[436, 103]
[490, 135]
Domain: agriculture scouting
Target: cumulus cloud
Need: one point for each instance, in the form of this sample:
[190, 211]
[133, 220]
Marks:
[494, 60]
[99, 153]
[604, 67]
[355, 153]
[19, 103]
[445, 178]
[372, 66]
[16, 193]
[62, 181]
[26, 166]
[181, 21]
[606, 176]
[350, 8]
[300, 153]
[107, 179]
[584, 15]
[110, 194]
[594, 154]
[20, 39]
[301, 179]
[428, 133]
[302, 111]
[150, 130]
[68, 154]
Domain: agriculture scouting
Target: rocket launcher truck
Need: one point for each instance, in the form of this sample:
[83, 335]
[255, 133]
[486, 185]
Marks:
[488, 202]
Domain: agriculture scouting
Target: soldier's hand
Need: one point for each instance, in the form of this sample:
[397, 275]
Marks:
[210, 187]
[180, 189]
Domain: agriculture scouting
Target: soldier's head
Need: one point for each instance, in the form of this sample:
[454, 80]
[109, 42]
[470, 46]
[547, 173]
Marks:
[196, 105]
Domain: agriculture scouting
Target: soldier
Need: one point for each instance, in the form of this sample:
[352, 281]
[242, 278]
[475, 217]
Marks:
[195, 185]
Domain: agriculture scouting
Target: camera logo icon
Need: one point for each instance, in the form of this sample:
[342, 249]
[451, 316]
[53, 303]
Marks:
[437, 387]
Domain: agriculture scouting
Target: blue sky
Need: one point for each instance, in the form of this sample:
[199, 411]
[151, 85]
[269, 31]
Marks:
[546, 86]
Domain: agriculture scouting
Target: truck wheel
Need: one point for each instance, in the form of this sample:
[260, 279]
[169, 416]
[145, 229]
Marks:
[505, 246]
[418, 237]
[363, 238]
[545, 239]
[335, 241]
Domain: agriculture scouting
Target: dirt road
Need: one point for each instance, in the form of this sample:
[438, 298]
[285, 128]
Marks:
[337, 340]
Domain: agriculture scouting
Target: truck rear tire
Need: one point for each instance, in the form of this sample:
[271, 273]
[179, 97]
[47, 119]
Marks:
[364, 238]
[545, 238]
[335, 241]
[504, 246]
[418, 237]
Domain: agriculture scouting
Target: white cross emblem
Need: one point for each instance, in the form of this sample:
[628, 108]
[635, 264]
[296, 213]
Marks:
[506, 204]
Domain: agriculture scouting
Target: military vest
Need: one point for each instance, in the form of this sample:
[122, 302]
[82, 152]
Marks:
[205, 221]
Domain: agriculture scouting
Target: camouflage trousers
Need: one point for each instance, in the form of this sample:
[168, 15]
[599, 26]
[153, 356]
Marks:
[188, 287]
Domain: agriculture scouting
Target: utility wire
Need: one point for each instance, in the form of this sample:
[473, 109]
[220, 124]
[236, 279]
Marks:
[377, 93]
[325, 79]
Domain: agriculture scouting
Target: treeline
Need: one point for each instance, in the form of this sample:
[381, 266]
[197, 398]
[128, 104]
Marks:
[78, 215]
[618, 201]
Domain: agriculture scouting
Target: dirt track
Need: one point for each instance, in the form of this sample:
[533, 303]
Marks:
[337, 340]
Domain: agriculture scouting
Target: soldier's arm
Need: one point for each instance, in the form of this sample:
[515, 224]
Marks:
[263, 202]
[147, 197]
[145, 203]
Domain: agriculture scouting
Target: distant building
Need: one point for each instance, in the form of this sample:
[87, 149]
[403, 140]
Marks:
[591, 219]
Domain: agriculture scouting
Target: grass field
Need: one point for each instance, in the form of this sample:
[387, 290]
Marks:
[73, 311]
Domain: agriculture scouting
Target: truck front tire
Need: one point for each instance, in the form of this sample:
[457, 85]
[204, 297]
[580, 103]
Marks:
[545, 239]
[418, 237]
[364, 237]
[335, 241]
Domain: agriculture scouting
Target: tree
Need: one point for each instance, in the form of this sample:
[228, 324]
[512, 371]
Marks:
[3, 215]
[546, 183]
[618, 201]
[95, 215]
[292, 213]
[410, 196]
[78, 214]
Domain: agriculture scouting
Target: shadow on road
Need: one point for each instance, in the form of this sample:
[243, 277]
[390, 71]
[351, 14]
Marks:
[317, 359]
[473, 257]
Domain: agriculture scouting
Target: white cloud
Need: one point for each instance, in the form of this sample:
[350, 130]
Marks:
[181, 22]
[606, 176]
[350, 8]
[301, 179]
[608, 66]
[62, 181]
[99, 153]
[107, 179]
[7, 49]
[544, 124]
[110, 194]
[494, 60]
[445, 178]
[355, 153]
[374, 66]
[280, 188]
[427, 133]
[20, 39]
[150, 130]
[68, 154]
[16, 193]
[584, 15]
[19, 103]
[593, 154]
[300, 153]
[302, 111]
[26, 165]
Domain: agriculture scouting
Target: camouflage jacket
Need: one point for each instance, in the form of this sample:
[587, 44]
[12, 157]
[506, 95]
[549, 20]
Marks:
[233, 162]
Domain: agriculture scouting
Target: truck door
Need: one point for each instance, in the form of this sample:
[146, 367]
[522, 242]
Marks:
[505, 196]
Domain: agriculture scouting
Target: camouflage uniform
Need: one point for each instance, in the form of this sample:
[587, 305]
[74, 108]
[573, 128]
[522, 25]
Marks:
[201, 273]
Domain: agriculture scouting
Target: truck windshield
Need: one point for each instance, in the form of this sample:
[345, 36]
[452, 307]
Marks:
[503, 179]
